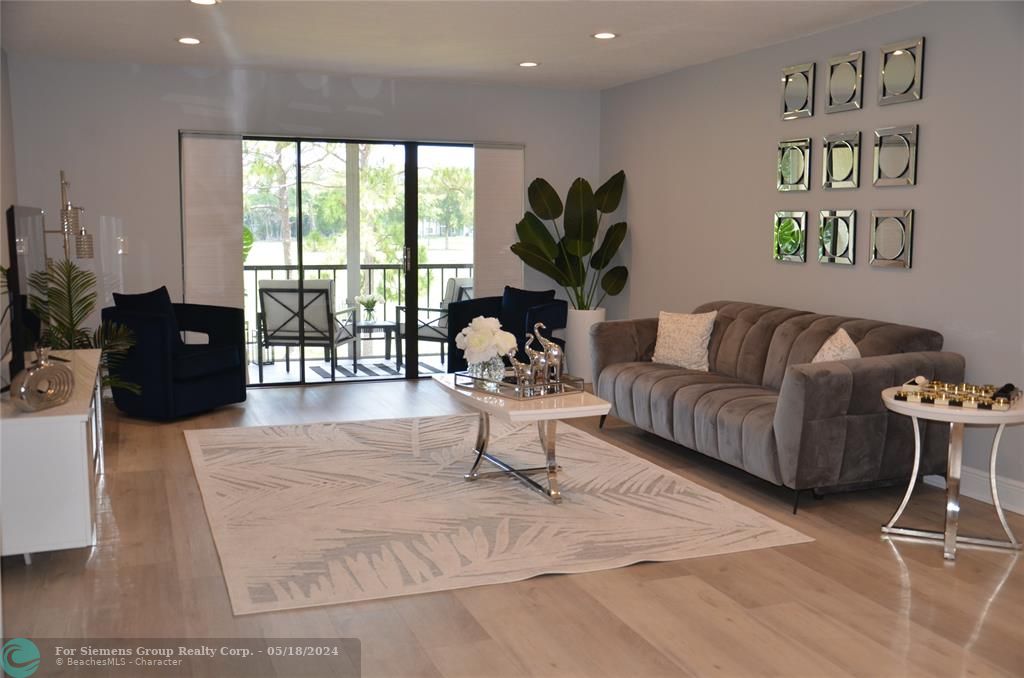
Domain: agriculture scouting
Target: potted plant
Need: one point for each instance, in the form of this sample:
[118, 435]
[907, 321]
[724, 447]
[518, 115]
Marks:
[569, 256]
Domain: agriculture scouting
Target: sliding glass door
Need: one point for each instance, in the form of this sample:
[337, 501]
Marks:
[352, 251]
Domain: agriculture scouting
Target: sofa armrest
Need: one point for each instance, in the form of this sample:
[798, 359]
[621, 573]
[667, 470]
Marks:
[224, 325]
[621, 341]
[830, 420]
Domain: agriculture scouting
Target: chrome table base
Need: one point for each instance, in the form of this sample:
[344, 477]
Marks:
[949, 536]
[547, 440]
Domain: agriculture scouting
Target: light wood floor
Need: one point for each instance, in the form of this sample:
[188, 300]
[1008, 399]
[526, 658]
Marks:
[848, 604]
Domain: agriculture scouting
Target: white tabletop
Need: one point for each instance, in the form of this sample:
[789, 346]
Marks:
[537, 409]
[84, 363]
[955, 415]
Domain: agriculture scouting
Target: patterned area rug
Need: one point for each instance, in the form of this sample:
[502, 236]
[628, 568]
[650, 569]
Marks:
[318, 514]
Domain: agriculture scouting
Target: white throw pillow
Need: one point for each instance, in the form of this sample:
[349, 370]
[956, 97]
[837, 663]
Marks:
[683, 339]
[837, 347]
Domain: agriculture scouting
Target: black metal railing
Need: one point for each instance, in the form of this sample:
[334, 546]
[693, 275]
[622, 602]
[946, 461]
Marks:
[385, 280]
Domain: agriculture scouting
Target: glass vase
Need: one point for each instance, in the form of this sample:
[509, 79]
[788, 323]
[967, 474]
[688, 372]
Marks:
[492, 370]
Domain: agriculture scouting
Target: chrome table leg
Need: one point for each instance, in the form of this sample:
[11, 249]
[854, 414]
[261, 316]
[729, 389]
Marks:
[949, 536]
[953, 464]
[913, 478]
[551, 468]
[993, 455]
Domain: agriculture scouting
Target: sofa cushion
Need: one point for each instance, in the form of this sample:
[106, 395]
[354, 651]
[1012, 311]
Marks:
[683, 339]
[837, 347]
[196, 361]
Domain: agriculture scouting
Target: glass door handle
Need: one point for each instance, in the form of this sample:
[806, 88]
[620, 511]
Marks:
[406, 259]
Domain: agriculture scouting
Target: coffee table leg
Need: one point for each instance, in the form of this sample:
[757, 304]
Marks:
[547, 430]
[483, 433]
[956, 448]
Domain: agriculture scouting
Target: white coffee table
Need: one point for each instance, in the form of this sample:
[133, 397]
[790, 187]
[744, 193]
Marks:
[545, 411]
[956, 417]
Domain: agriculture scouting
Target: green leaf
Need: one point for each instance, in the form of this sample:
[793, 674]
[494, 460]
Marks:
[609, 195]
[532, 231]
[544, 199]
[247, 241]
[535, 259]
[613, 238]
[580, 248]
[571, 266]
[614, 281]
[581, 216]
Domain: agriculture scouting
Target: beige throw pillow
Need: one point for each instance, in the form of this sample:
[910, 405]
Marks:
[683, 339]
[837, 347]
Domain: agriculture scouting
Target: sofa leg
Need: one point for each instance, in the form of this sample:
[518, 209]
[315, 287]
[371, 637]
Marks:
[601, 423]
[796, 501]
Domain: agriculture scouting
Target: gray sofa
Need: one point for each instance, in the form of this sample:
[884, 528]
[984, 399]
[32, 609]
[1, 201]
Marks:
[765, 408]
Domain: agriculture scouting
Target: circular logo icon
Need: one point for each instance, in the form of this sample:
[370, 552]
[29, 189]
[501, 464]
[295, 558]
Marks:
[20, 658]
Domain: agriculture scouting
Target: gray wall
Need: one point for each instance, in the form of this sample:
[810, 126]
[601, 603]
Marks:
[8, 182]
[114, 128]
[698, 146]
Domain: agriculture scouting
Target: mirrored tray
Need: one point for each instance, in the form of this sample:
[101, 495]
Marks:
[509, 388]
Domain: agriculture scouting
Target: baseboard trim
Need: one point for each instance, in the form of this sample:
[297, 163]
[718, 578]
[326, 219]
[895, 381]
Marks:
[974, 484]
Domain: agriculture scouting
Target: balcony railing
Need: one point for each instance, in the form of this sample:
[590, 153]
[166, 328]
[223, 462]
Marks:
[373, 279]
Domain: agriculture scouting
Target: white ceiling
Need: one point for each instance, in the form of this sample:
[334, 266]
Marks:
[473, 41]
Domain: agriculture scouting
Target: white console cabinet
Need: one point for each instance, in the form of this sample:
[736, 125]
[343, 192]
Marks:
[49, 465]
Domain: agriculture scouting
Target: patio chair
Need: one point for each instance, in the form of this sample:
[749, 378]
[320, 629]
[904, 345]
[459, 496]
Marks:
[278, 324]
[435, 326]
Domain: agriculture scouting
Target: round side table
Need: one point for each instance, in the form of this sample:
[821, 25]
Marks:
[956, 417]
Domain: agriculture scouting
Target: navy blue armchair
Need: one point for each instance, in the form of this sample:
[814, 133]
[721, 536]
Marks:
[178, 379]
[518, 310]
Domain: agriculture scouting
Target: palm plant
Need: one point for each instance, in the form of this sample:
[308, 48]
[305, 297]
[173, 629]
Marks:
[63, 296]
[562, 257]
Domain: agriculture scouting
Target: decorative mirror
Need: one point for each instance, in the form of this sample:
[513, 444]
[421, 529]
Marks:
[835, 236]
[845, 76]
[896, 156]
[891, 237]
[790, 241]
[899, 77]
[798, 91]
[794, 165]
[840, 160]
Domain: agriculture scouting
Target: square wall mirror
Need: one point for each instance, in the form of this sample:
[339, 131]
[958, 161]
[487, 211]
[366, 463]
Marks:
[892, 234]
[793, 167]
[845, 77]
[900, 71]
[896, 156]
[789, 243]
[840, 160]
[836, 230]
[798, 91]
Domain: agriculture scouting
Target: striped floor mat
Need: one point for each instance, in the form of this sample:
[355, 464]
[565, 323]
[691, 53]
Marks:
[378, 369]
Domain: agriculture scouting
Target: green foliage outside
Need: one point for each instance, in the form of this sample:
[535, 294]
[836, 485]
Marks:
[270, 205]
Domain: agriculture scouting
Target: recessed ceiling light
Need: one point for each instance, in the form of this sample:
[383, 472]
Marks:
[605, 36]
[529, 64]
[203, 2]
[189, 41]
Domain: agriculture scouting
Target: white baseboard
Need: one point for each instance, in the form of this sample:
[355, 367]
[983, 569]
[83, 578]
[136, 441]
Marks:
[974, 484]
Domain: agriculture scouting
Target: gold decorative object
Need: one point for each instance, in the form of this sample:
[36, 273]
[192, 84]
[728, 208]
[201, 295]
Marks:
[43, 385]
[971, 396]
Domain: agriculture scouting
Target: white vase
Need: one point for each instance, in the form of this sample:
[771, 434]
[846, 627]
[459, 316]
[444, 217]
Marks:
[577, 341]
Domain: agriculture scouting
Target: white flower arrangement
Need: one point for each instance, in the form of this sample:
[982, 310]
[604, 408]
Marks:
[483, 339]
[367, 301]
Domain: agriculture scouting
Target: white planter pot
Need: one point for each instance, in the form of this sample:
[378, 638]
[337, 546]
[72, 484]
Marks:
[577, 341]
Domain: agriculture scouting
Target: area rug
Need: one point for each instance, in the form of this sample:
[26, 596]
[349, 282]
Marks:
[319, 514]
